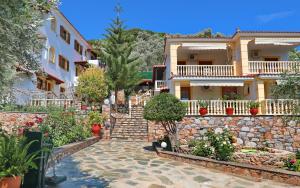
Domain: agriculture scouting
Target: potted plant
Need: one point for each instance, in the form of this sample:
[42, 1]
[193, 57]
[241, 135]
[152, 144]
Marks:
[253, 106]
[203, 107]
[15, 160]
[95, 120]
[229, 109]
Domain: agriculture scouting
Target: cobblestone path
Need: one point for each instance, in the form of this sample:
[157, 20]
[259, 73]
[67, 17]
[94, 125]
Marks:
[130, 164]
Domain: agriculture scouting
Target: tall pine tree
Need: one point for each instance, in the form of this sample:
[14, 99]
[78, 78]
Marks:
[122, 68]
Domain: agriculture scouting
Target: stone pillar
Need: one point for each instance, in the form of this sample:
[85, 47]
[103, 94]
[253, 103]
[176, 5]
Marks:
[177, 89]
[173, 58]
[244, 55]
[261, 95]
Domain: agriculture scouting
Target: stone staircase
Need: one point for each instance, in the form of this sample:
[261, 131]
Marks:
[131, 128]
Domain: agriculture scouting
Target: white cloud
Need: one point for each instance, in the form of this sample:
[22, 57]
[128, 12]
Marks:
[274, 16]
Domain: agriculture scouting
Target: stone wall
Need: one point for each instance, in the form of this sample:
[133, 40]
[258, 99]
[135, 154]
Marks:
[11, 120]
[260, 131]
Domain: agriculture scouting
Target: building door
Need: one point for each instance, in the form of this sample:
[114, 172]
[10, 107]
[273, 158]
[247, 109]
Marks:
[271, 59]
[229, 92]
[181, 63]
[205, 62]
[185, 93]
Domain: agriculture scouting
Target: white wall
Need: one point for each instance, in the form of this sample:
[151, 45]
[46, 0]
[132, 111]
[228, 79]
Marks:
[218, 57]
[61, 48]
[23, 82]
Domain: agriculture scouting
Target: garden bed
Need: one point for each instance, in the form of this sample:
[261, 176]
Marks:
[254, 156]
[240, 169]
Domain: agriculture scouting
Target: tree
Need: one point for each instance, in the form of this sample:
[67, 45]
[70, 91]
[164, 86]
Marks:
[166, 109]
[91, 85]
[207, 33]
[122, 67]
[20, 44]
[150, 48]
[289, 88]
[294, 55]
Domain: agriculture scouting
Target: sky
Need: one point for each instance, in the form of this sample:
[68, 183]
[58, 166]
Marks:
[92, 17]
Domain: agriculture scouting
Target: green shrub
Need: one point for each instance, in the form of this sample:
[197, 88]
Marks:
[15, 159]
[202, 104]
[222, 142]
[217, 145]
[95, 117]
[166, 109]
[63, 128]
[202, 149]
[298, 155]
[292, 164]
[192, 143]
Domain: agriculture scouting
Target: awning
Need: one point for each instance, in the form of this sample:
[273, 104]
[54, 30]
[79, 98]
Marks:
[52, 75]
[205, 46]
[237, 83]
[278, 41]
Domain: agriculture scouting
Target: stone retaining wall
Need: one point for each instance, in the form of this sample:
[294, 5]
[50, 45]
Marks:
[11, 120]
[66, 150]
[246, 170]
[260, 131]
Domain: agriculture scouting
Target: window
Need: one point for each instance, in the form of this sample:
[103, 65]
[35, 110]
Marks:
[78, 47]
[64, 34]
[39, 84]
[53, 23]
[49, 86]
[63, 63]
[51, 55]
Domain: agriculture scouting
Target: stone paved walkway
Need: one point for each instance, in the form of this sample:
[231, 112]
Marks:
[128, 164]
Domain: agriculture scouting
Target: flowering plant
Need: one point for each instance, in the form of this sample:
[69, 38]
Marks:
[292, 164]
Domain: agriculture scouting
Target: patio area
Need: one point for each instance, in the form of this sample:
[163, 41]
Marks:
[131, 164]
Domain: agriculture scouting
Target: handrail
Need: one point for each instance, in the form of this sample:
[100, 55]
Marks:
[205, 70]
[273, 67]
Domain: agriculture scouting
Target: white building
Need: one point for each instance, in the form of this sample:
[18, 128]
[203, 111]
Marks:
[64, 56]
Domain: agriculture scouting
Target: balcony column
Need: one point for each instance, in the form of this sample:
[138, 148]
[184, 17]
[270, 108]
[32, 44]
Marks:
[177, 90]
[261, 95]
[244, 55]
[173, 58]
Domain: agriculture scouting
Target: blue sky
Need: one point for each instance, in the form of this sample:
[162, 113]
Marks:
[91, 17]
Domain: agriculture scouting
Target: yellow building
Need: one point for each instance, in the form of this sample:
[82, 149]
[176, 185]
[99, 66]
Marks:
[246, 65]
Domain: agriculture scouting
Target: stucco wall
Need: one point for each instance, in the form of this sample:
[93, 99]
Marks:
[263, 131]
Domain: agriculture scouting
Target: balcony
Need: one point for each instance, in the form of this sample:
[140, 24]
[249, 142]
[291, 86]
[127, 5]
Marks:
[268, 107]
[204, 70]
[273, 67]
[160, 84]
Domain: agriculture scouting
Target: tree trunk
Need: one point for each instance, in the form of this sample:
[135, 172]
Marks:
[173, 140]
[116, 100]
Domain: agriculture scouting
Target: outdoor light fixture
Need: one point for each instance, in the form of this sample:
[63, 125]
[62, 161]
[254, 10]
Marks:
[163, 145]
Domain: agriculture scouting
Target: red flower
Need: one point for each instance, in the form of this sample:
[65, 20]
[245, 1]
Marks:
[20, 131]
[293, 161]
[29, 123]
[39, 120]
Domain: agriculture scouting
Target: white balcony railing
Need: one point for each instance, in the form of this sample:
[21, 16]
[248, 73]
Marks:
[160, 84]
[205, 70]
[218, 107]
[65, 103]
[281, 106]
[269, 107]
[273, 67]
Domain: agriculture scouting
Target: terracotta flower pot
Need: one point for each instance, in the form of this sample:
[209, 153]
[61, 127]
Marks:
[10, 182]
[229, 111]
[253, 111]
[203, 111]
[96, 129]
